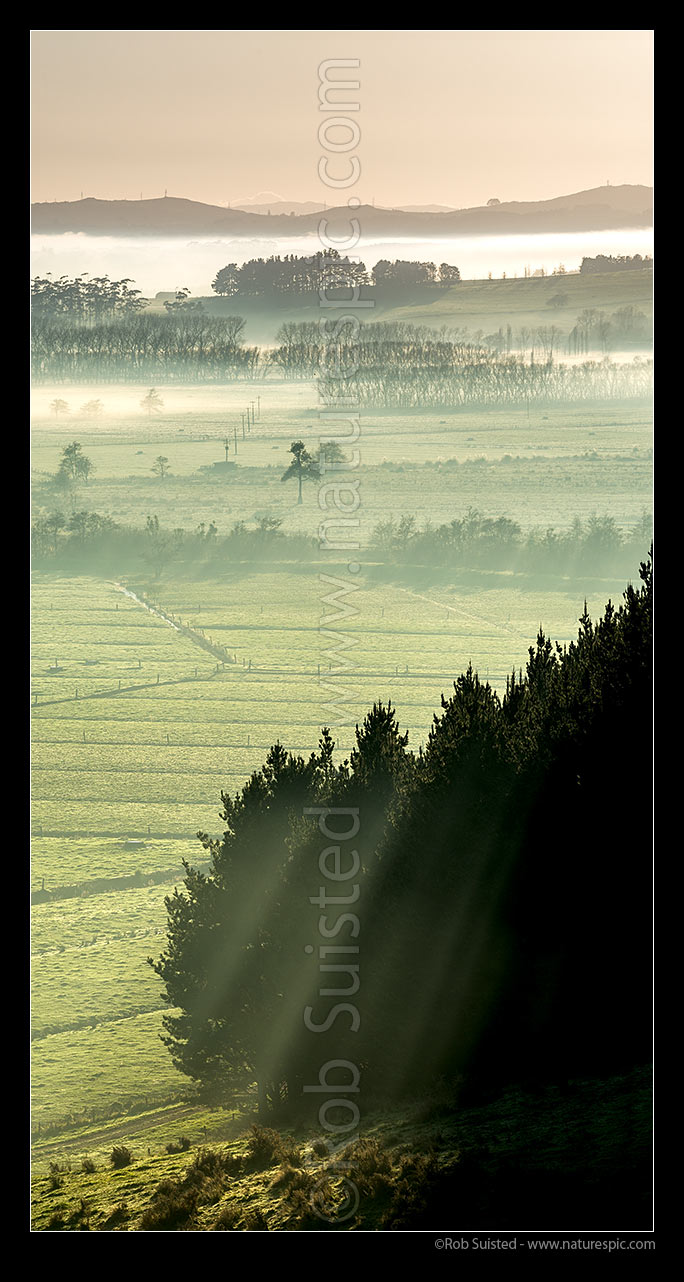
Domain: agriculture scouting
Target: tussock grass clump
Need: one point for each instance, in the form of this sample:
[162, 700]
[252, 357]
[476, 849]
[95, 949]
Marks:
[266, 1147]
[58, 1218]
[227, 1220]
[88, 1166]
[367, 1157]
[358, 1182]
[369, 1167]
[165, 1187]
[284, 1176]
[256, 1222]
[120, 1156]
[212, 1190]
[80, 1216]
[292, 1177]
[57, 1173]
[208, 1162]
[314, 1203]
[423, 1193]
[173, 1204]
[181, 1146]
[118, 1216]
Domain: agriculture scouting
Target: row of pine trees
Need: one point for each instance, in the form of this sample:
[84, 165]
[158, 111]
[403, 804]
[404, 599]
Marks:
[490, 922]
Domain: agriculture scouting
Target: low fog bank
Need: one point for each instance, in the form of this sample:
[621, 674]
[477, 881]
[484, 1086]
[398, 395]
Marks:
[153, 263]
[124, 402]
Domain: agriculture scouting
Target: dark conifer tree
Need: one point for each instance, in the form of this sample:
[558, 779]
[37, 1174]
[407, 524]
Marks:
[222, 965]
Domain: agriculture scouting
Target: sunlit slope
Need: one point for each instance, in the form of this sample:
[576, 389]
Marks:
[550, 300]
[472, 305]
[553, 1158]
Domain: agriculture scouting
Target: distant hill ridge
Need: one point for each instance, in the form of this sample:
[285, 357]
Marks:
[601, 208]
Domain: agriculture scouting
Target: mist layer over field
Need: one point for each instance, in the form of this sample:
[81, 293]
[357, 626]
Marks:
[153, 263]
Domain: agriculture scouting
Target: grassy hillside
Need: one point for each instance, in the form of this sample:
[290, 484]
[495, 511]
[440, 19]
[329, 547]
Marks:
[486, 305]
[474, 305]
[569, 1156]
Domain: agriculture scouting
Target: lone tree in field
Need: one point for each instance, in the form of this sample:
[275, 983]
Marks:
[160, 467]
[152, 403]
[303, 466]
[331, 456]
[59, 406]
[73, 465]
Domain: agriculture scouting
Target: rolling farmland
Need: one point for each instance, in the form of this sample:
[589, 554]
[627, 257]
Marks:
[137, 727]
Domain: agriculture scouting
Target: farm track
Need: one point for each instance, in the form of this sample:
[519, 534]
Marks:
[118, 1130]
[105, 885]
[41, 1034]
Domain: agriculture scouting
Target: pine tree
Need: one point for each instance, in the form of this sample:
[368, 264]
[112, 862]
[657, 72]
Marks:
[303, 466]
[223, 965]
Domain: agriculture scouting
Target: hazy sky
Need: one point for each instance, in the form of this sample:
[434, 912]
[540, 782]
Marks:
[450, 117]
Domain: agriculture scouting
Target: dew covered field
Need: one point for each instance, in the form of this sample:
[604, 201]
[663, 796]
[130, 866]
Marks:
[147, 753]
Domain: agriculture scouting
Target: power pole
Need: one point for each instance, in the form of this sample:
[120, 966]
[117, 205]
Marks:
[235, 431]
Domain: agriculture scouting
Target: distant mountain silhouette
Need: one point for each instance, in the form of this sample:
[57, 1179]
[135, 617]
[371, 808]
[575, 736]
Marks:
[278, 206]
[601, 208]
